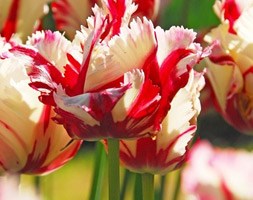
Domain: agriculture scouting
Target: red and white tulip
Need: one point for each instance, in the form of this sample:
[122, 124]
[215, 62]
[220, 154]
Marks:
[113, 80]
[214, 173]
[30, 142]
[230, 67]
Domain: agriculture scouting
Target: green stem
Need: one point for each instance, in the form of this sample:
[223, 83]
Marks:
[137, 187]
[48, 22]
[113, 169]
[125, 183]
[160, 192]
[98, 174]
[148, 186]
[37, 184]
[178, 183]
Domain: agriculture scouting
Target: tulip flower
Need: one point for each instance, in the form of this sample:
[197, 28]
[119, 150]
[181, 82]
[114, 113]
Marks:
[30, 142]
[214, 173]
[113, 81]
[20, 17]
[167, 151]
[230, 65]
[69, 15]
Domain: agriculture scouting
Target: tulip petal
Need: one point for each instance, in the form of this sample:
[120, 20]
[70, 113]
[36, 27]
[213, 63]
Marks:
[173, 39]
[243, 25]
[44, 76]
[133, 46]
[221, 79]
[53, 46]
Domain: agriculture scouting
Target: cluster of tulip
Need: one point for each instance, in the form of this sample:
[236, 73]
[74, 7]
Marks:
[115, 78]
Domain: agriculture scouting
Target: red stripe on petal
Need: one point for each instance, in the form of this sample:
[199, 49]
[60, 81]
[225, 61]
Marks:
[151, 68]
[34, 163]
[71, 72]
[172, 79]
[74, 63]
[11, 23]
[117, 10]
[44, 76]
[248, 71]
[45, 117]
[60, 159]
[224, 59]
[99, 24]
[14, 133]
[124, 155]
[181, 158]
[231, 13]
[2, 165]
[147, 101]
[227, 193]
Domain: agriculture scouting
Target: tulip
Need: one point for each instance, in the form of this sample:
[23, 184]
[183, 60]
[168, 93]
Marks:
[168, 150]
[20, 17]
[214, 173]
[115, 80]
[230, 65]
[30, 142]
[112, 81]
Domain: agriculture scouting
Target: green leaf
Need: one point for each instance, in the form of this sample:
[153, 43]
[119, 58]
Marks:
[196, 14]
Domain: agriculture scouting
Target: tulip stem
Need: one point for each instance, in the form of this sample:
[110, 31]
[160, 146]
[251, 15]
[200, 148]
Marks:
[178, 183]
[147, 186]
[113, 169]
[98, 174]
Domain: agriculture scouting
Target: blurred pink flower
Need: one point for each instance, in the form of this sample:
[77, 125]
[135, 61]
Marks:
[115, 80]
[167, 151]
[30, 142]
[230, 67]
[9, 189]
[20, 17]
[218, 174]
